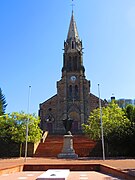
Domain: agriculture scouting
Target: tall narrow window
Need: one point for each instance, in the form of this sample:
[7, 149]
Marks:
[76, 91]
[73, 45]
[70, 91]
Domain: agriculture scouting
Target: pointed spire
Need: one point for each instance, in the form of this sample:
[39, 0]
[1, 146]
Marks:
[73, 42]
[72, 32]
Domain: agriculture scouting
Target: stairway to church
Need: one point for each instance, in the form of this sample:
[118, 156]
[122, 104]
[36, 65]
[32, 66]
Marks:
[53, 144]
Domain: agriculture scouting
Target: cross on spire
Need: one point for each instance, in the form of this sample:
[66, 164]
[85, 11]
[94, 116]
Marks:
[72, 5]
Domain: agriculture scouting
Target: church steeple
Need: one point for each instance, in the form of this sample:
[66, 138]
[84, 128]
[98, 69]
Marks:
[73, 42]
[72, 32]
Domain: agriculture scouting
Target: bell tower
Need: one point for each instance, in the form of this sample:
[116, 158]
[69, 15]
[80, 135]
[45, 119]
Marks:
[73, 88]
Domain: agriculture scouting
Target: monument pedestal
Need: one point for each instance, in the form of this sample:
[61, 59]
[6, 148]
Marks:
[68, 152]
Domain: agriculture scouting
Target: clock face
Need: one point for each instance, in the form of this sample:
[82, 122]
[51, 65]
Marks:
[73, 78]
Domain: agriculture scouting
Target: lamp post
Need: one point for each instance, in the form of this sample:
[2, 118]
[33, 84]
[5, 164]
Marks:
[27, 125]
[101, 124]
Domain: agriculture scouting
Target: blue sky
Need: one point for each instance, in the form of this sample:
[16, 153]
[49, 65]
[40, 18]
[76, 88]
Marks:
[32, 34]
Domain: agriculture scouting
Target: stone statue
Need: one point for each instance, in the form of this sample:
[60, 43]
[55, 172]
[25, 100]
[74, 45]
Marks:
[67, 125]
[68, 151]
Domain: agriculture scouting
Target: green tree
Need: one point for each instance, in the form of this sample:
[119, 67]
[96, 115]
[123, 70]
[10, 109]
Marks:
[3, 103]
[130, 112]
[114, 120]
[6, 125]
[117, 127]
[13, 128]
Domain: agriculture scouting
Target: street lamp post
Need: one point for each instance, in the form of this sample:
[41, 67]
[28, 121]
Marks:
[101, 124]
[27, 125]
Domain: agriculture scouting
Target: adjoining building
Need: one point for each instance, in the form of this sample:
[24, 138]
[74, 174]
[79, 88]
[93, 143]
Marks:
[73, 99]
[124, 102]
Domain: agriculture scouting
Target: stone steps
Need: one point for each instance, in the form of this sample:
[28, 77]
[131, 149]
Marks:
[54, 143]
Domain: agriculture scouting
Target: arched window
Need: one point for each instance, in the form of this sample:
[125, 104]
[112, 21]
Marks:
[70, 91]
[73, 45]
[76, 91]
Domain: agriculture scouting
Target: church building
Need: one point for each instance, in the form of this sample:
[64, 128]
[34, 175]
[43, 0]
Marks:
[73, 99]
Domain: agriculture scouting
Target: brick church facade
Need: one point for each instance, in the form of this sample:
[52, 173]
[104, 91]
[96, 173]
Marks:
[73, 99]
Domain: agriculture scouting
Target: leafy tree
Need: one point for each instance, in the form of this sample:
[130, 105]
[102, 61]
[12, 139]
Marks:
[117, 127]
[130, 112]
[6, 125]
[13, 128]
[114, 120]
[3, 103]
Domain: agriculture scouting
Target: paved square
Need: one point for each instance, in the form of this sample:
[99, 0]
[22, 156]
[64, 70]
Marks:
[73, 175]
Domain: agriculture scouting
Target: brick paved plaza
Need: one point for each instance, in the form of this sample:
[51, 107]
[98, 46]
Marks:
[81, 175]
[122, 165]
